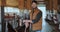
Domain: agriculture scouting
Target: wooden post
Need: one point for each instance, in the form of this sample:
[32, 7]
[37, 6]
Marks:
[3, 2]
[0, 2]
[28, 4]
[49, 5]
[21, 4]
[55, 5]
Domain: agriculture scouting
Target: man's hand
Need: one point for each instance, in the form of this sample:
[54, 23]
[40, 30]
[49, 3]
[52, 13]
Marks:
[26, 22]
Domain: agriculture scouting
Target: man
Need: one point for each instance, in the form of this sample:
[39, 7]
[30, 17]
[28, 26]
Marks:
[35, 18]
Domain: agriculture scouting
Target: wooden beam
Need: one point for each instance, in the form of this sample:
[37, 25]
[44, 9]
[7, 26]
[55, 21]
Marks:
[3, 3]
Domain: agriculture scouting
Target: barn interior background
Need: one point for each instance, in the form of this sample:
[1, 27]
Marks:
[46, 6]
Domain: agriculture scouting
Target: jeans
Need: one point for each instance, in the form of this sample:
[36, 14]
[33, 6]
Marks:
[37, 31]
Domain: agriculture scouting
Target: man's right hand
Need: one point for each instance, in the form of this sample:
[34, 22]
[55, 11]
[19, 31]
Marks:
[26, 22]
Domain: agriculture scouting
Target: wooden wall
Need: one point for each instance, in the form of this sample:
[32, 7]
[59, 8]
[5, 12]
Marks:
[28, 4]
[24, 4]
[12, 3]
[21, 4]
[55, 4]
[51, 4]
[18, 3]
[0, 2]
[3, 2]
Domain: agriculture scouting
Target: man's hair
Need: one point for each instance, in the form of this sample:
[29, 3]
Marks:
[34, 1]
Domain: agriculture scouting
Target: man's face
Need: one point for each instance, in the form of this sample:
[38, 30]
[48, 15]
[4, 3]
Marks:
[34, 5]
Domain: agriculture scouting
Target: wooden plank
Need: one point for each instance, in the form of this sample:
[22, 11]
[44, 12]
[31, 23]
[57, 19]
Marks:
[55, 4]
[28, 4]
[3, 2]
[12, 3]
[21, 4]
[50, 4]
[0, 2]
[47, 5]
[40, 0]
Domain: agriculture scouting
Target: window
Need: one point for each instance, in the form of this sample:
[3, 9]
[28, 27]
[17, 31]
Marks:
[11, 10]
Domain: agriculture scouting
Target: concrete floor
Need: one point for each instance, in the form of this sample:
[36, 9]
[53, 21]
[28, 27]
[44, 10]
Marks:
[45, 26]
